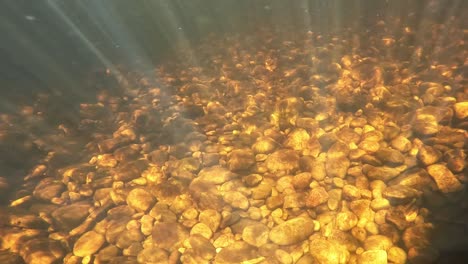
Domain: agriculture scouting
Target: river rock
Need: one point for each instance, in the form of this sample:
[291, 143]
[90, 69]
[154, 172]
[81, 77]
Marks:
[383, 173]
[373, 257]
[456, 160]
[325, 251]
[444, 178]
[461, 110]
[298, 139]
[401, 143]
[400, 194]
[390, 156]
[397, 255]
[88, 244]
[168, 235]
[337, 167]
[346, 220]
[316, 197]
[140, 199]
[377, 242]
[68, 217]
[202, 247]
[351, 192]
[428, 155]
[236, 252]
[215, 175]
[285, 160]
[241, 160]
[236, 200]
[418, 236]
[153, 255]
[256, 234]
[292, 231]
[264, 145]
[211, 218]
[47, 191]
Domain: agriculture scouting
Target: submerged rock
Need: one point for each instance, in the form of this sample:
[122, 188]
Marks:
[292, 231]
[444, 178]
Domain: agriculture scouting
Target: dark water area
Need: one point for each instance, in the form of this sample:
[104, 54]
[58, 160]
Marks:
[242, 131]
[54, 45]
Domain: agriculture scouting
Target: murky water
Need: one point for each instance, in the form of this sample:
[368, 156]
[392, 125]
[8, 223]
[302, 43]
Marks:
[282, 143]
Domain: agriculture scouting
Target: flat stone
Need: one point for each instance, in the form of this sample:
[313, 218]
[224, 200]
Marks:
[444, 178]
[284, 160]
[383, 173]
[168, 235]
[292, 231]
[237, 252]
[256, 234]
[215, 175]
[41, 250]
[346, 220]
[400, 194]
[325, 251]
[129, 171]
[316, 197]
[88, 244]
[377, 242]
[201, 229]
[338, 150]
[48, 191]
[390, 156]
[68, 217]
[241, 160]
[140, 199]
[373, 257]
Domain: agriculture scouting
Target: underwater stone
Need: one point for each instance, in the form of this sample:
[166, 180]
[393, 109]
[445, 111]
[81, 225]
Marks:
[284, 160]
[444, 178]
[88, 244]
[316, 197]
[292, 231]
[140, 199]
[256, 234]
[325, 251]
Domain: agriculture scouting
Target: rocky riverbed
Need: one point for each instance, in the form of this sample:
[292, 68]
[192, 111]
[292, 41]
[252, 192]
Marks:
[274, 148]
